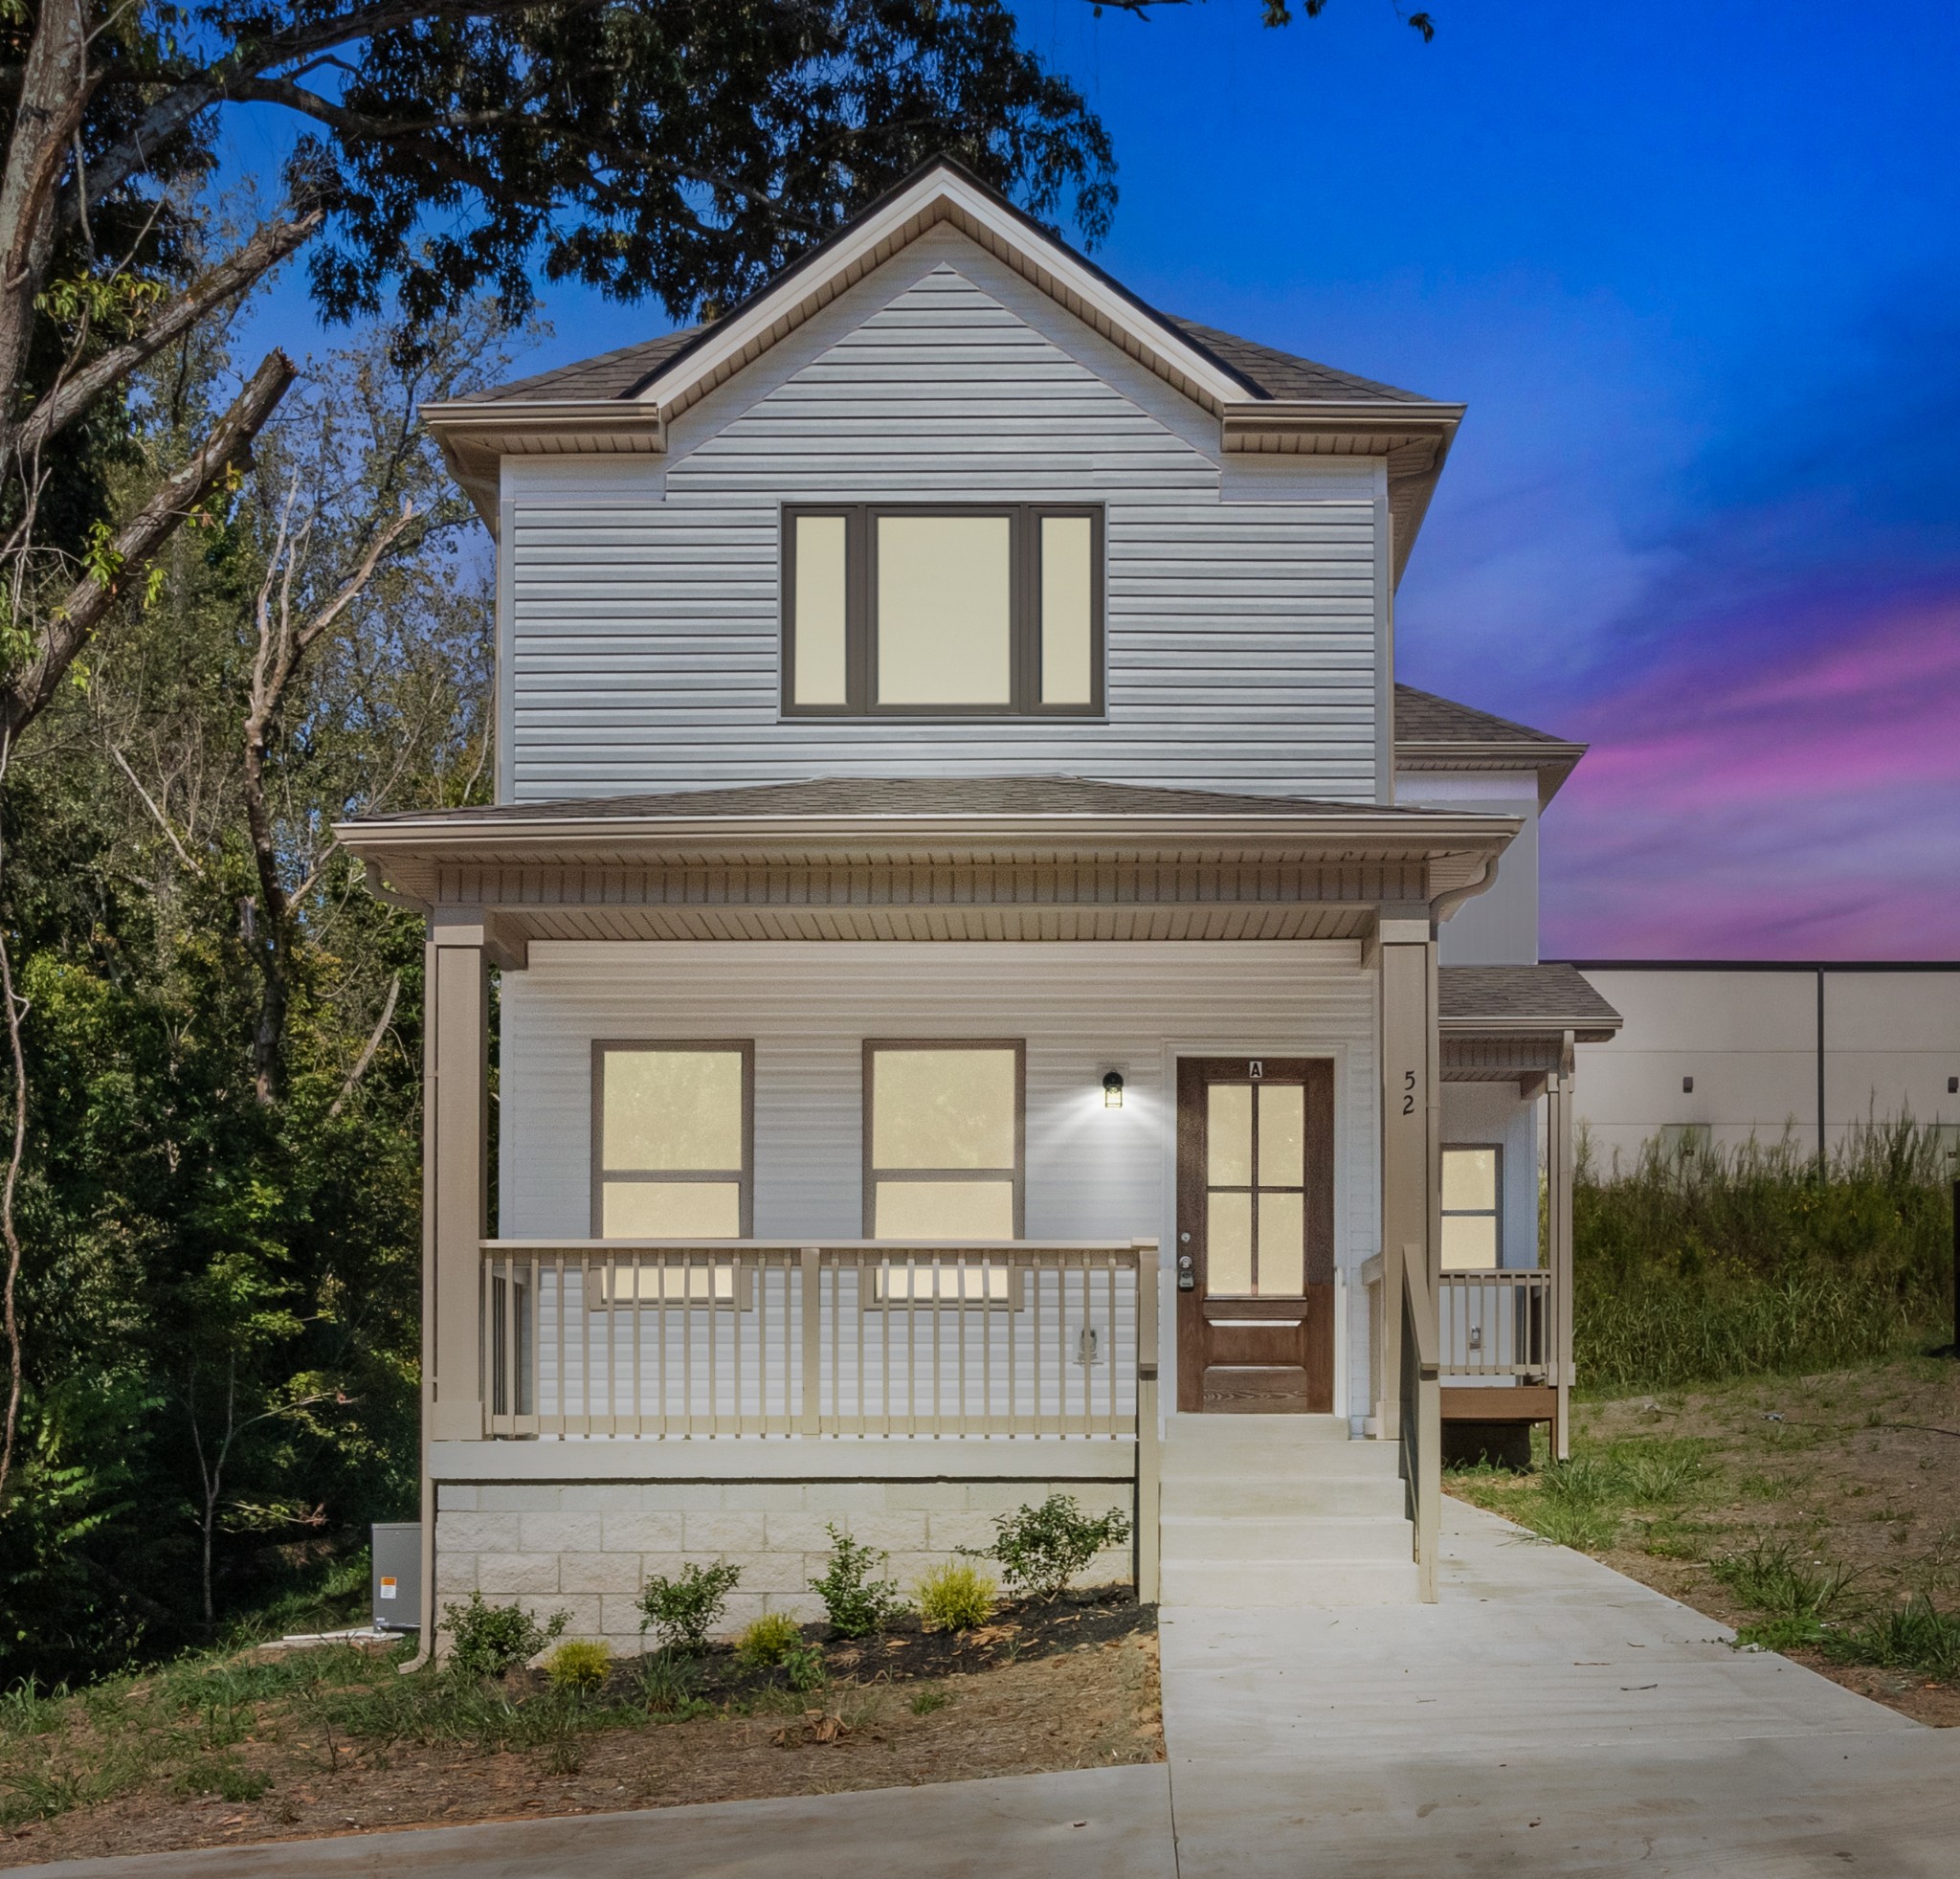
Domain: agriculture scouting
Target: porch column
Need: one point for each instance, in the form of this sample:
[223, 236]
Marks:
[1558, 1209]
[1412, 1133]
[455, 1176]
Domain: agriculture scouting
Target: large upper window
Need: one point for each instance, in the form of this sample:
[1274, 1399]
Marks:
[970, 609]
[942, 1134]
[673, 1129]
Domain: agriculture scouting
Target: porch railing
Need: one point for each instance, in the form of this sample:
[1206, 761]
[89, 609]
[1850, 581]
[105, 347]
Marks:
[1497, 1323]
[752, 1337]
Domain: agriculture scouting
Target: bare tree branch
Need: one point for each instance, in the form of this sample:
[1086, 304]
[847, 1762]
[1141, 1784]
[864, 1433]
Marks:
[269, 245]
[150, 803]
[367, 1050]
[25, 694]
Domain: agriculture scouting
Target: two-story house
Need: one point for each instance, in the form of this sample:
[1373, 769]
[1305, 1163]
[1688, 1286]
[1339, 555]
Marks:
[964, 892]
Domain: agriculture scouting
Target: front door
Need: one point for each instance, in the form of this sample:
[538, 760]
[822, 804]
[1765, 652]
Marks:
[1255, 1234]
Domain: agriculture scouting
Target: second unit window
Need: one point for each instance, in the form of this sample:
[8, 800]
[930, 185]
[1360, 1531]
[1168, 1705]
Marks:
[985, 610]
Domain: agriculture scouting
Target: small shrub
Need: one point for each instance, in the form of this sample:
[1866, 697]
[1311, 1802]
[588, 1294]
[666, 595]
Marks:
[485, 1641]
[579, 1666]
[803, 1665]
[682, 1610]
[955, 1597]
[667, 1685]
[857, 1603]
[1040, 1549]
[769, 1640]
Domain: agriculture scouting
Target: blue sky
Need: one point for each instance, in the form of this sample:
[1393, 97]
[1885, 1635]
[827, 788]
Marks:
[1696, 270]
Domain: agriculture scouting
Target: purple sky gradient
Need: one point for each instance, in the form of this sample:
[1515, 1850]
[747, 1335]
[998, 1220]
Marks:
[1696, 270]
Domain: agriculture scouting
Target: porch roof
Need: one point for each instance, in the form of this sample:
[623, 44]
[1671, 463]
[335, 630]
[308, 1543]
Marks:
[940, 857]
[1501, 1023]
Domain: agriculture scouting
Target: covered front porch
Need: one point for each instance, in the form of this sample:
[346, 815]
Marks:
[599, 1396]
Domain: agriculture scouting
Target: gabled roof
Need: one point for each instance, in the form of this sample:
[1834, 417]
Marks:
[1265, 400]
[1435, 733]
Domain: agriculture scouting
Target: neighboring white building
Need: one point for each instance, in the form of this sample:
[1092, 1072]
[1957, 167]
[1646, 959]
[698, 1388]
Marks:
[1726, 1050]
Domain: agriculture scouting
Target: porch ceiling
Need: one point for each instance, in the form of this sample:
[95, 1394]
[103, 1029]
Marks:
[947, 858]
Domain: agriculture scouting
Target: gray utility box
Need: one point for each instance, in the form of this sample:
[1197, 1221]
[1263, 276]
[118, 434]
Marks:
[398, 1575]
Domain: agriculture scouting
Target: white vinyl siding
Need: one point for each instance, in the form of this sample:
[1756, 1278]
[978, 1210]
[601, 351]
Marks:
[644, 636]
[1092, 1173]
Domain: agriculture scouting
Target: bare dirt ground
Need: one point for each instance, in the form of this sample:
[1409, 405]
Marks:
[1091, 1705]
[1854, 1472]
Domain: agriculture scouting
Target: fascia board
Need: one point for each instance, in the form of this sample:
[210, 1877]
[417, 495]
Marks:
[938, 196]
[1412, 838]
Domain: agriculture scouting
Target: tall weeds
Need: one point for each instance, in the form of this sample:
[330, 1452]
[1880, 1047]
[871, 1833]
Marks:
[1695, 1269]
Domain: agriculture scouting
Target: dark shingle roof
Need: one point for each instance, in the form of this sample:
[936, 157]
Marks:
[616, 374]
[1271, 373]
[1557, 997]
[1421, 717]
[888, 797]
[1284, 375]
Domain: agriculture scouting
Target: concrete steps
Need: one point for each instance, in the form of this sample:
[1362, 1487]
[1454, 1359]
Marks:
[1281, 1510]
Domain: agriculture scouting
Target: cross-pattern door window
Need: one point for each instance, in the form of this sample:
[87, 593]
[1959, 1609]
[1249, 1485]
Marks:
[1256, 1190]
[673, 1134]
[943, 1133]
[1471, 1191]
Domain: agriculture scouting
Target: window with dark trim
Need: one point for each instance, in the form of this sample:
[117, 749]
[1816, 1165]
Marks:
[1472, 1208]
[673, 1140]
[944, 1127]
[942, 610]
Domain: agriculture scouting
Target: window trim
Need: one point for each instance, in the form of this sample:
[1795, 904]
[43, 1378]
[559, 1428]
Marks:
[1024, 627]
[743, 1047]
[1494, 1212]
[873, 1176]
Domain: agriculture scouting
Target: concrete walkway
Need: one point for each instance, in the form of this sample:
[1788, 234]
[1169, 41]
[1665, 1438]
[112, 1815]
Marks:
[1546, 1718]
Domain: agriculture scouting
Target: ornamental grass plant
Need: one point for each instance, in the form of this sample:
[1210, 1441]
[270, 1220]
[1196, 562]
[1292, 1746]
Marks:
[1755, 1259]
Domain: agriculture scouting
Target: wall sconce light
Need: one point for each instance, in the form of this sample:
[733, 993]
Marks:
[1112, 1089]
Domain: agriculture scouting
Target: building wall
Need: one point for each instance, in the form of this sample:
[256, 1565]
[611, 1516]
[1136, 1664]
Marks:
[1083, 1008]
[641, 607]
[587, 1548]
[1500, 926]
[1747, 1035]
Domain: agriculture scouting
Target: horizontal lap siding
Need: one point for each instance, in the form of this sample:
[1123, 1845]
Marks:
[1082, 1009]
[646, 633]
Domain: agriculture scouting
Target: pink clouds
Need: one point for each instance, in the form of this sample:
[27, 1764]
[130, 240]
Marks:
[1793, 790]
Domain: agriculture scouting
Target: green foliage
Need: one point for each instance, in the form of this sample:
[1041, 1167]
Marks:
[927, 1702]
[858, 1605]
[485, 1640]
[580, 1665]
[1040, 1549]
[681, 1611]
[803, 1665]
[769, 1640]
[1773, 1576]
[1914, 1636]
[1743, 1261]
[955, 1597]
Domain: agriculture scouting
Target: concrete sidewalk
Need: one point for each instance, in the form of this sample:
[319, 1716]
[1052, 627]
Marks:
[1547, 1716]
[1100, 1824]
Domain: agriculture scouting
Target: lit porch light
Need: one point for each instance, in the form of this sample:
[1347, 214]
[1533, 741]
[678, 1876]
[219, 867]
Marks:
[1112, 1090]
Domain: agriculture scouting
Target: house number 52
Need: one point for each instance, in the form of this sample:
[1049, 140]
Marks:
[1408, 1092]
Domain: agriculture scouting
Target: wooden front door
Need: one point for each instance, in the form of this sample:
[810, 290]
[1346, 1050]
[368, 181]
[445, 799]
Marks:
[1254, 1256]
